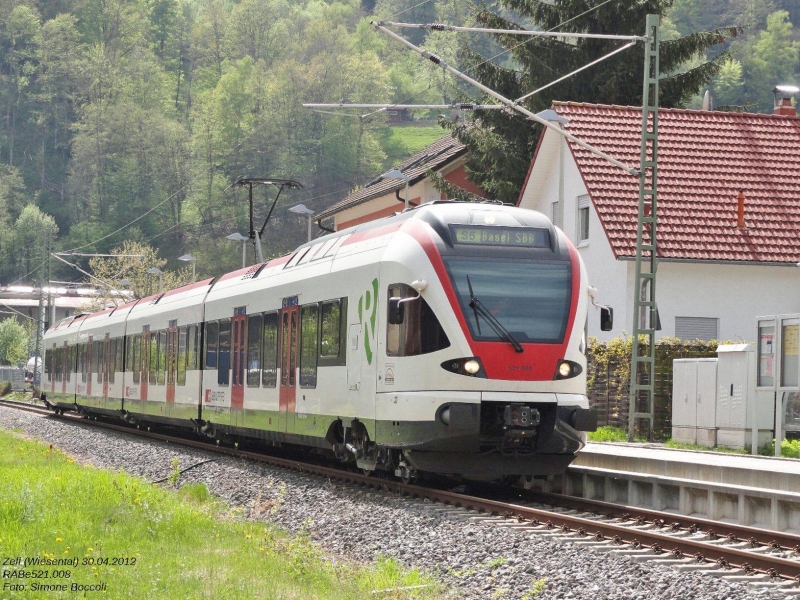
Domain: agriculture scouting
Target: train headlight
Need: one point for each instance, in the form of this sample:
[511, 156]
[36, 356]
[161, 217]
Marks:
[567, 369]
[472, 366]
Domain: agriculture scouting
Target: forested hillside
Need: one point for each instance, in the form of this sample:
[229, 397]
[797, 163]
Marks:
[131, 119]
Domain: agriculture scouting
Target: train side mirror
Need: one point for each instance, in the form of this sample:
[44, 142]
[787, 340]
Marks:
[606, 318]
[396, 311]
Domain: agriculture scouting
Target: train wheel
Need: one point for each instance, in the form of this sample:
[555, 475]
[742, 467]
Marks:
[409, 476]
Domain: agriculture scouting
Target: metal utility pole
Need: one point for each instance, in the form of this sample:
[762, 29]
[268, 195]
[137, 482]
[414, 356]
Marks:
[645, 315]
[37, 352]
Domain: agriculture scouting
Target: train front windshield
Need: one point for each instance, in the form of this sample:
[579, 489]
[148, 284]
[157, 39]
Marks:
[530, 300]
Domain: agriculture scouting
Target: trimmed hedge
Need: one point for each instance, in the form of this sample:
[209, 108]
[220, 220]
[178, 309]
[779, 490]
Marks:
[608, 379]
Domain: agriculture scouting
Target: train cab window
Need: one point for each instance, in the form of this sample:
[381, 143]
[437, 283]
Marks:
[181, 366]
[212, 336]
[162, 357]
[419, 332]
[309, 326]
[331, 325]
[191, 348]
[269, 351]
[254, 332]
[224, 362]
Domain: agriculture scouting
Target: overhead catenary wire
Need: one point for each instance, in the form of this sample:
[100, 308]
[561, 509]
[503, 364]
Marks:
[510, 103]
[528, 32]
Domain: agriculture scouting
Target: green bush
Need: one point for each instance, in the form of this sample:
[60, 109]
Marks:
[606, 433]
[5, 388]
[789, 449]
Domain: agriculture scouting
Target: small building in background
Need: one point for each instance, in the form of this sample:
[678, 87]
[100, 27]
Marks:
[22, 302]
[386, 194]
[716, 272]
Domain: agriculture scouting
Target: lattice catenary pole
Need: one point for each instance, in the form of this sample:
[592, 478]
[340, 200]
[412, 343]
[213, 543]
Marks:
[645, 315]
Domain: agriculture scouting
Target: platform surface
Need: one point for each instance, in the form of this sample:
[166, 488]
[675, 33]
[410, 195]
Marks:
[714, 467]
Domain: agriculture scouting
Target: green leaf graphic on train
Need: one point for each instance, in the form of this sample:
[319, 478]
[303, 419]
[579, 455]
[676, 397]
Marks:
[367, 312]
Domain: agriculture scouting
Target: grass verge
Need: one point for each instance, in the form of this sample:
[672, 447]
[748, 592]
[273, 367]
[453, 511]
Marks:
[129, 539]
[401, 141]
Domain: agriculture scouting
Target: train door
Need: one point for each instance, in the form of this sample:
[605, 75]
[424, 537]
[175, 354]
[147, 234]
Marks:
[238, 347]
[171, 360]
[289, 317]
[145, 360]
[105, 362]
[50, 360]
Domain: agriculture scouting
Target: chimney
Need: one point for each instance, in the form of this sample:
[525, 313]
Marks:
[740, 211]
[783, 100]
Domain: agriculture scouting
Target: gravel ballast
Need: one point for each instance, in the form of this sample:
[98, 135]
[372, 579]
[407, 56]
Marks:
[474, 559]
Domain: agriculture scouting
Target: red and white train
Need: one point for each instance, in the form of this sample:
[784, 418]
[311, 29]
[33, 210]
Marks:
[448, 338]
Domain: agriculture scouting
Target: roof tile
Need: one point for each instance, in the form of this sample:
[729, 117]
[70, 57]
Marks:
[705, 158]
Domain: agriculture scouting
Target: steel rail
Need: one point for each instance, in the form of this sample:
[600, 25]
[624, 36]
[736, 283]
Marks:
[660, 543]
[743, 533]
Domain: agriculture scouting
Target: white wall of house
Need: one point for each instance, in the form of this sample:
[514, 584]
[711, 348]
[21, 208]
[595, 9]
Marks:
[732, 294]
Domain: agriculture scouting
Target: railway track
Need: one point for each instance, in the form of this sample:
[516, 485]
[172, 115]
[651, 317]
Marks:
[768, 558]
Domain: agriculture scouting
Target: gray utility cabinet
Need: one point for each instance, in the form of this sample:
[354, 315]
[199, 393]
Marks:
[694, 402]
[735, 393]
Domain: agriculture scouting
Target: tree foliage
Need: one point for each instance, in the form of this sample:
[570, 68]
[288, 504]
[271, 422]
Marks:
[14, 340]
[502, 145]
[132, 119]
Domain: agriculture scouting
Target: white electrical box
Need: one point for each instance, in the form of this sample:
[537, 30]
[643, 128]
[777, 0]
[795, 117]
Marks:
[694, 405]
[735, 393]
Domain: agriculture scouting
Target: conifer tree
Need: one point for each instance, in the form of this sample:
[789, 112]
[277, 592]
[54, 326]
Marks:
[502, 144]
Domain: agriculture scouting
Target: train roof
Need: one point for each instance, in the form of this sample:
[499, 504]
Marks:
[438, 215]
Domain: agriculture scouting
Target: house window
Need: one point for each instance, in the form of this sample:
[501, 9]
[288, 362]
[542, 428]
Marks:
[583, 219]
[696, 328]
[555, 214]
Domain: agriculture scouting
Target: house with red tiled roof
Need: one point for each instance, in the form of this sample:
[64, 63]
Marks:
[384, 196]
[715, 274]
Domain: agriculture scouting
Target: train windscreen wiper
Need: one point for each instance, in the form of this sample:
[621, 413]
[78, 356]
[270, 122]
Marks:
[479, 309]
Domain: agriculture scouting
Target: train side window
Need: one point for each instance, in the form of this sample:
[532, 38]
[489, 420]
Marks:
[120, 355]
[224, 362]
[162, 357]
[254, 332]
[309, 327]
[48, 359]
[152, 371]
[57, 353]
[181, 370]
[420, 332]
[269, 351]
[191, 348]
[136, 361]
[82, 361]
[112, 359]
[128, 367]
[331, 328]
[97, 360]
[212, 336]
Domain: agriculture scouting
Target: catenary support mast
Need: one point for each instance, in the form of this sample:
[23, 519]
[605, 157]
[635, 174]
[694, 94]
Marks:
[645, 315]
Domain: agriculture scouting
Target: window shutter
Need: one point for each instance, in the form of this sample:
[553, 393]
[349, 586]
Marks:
[696, 328]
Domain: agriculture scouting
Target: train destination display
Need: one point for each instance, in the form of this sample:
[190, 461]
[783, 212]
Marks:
[527, 237]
